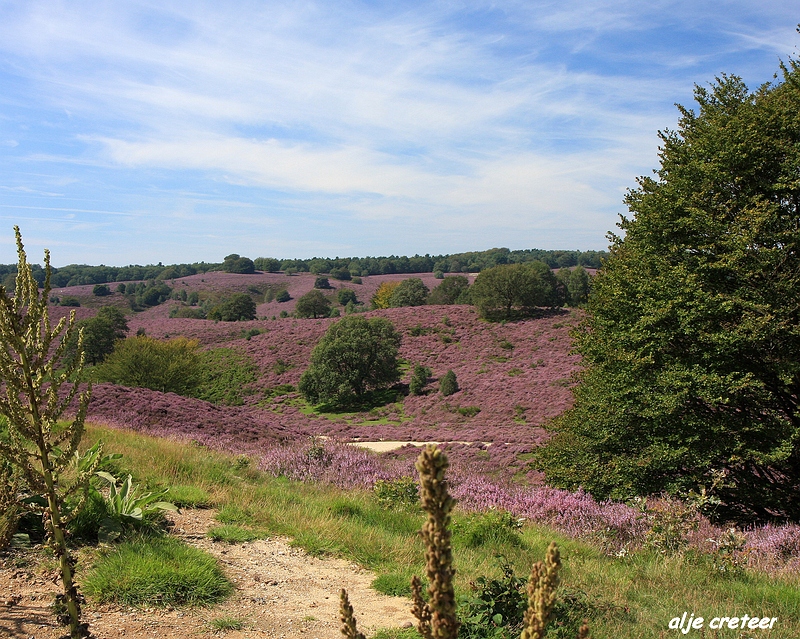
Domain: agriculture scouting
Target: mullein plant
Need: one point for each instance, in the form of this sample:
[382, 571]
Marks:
[41, 451]
[436, 617]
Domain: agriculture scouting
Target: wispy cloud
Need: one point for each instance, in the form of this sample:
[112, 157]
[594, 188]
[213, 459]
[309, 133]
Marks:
[395, 128]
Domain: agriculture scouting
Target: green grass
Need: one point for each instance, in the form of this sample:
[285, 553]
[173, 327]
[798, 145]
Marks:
[157, 571]
[234, 534]
[184, 496]
[650, 588]
[222, 624]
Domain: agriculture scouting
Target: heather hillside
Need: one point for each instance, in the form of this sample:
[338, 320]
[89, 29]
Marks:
[512, 376]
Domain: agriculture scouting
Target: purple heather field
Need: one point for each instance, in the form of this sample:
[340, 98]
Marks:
[513, 378]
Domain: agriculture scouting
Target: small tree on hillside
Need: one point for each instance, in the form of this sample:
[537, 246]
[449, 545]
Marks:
[240, 307]
[448, 384]
[410, 292]
[100, 335]
[355, 355]
[31, 369]
[452, 290]
[313, 304]
[383, 294]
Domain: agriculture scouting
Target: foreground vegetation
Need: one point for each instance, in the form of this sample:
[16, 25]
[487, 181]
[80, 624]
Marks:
[631, 596]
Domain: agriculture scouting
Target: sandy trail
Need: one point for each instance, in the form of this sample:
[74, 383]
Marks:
[281, 593]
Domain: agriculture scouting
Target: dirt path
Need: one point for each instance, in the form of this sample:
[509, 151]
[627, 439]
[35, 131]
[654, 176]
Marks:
[281, 593]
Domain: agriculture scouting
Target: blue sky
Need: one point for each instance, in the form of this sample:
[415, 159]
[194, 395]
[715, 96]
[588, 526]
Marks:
[138, 132]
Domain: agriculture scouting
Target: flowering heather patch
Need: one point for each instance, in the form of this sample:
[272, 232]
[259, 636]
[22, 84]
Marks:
[774, 547]
[328, 462]
[170, 415]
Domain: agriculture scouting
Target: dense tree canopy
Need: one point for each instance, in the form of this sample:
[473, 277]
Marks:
[410, 292]
[313, 304]
[356, 355]
[452, 290]
[692, 340]
[100, 334]
[513, 290]
[239, 307]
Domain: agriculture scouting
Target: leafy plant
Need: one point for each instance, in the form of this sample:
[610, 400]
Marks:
[125, 505]
[397, 493]
[436, 616]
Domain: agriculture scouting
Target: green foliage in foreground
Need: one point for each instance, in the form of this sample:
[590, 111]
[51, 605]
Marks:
[632, 597]
[691, 343]
[158, 571]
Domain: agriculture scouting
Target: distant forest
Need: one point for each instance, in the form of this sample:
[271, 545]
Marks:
[471, 262]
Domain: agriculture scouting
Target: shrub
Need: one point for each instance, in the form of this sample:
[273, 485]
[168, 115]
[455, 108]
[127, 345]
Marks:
[173, 366]
[225, 376]
[448, 384]
[159, 571]
[101, 290]
[282, 296]
[68, 300]
[419, 379]
[121, 289]
[188, 312]
[397, 493]
[100, 335]
[383, 294]
[340, 273]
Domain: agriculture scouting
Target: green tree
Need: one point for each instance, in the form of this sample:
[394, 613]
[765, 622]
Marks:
[410, 292]
[356, 355]
[101, 290]
[513, 290]
[346, 296]
[234, 263]
[174, 366]
[384, 294]
[578, 286]
[267, 264]
[239, 307]
[100, 335]
[313, 304]
[691, 344]
[322, 282]
[419, 379]
[35, 444]
[452, 290]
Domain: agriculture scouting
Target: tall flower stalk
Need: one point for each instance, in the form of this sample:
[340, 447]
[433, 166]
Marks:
[37, 445]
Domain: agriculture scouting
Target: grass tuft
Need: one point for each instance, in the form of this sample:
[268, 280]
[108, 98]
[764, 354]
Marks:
[233, 534]
[157, 571]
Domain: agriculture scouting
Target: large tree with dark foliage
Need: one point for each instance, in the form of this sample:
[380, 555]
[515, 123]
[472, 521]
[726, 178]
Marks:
[355, 356]
[692, 339]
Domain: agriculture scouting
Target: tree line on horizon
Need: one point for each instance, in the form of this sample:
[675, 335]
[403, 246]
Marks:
[339, 267]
